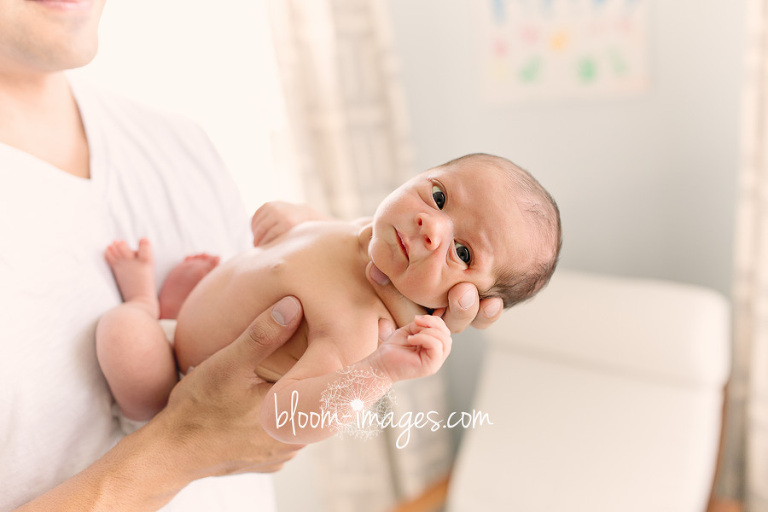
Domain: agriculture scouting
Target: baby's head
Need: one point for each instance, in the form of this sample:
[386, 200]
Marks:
[478, 218]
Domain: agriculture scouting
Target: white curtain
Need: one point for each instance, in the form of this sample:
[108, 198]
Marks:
[348, 123]
[348, 139]
[744, 468]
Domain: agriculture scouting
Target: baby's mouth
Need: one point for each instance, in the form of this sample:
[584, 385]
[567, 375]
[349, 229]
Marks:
[403, 247]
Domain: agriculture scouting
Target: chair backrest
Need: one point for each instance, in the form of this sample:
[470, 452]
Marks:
[605, 395]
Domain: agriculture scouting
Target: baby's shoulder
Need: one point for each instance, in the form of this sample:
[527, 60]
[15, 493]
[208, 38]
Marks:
[329, 247]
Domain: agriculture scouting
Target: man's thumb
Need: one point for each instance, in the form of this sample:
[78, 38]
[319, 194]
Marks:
[270, 330]
[286, 311]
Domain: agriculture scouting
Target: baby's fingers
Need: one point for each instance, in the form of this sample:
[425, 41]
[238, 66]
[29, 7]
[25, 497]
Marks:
[430, 340]
[434, 322]
[271, 233]
[261, 225]
[431, 353]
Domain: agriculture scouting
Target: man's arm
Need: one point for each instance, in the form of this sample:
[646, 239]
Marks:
[210, 427]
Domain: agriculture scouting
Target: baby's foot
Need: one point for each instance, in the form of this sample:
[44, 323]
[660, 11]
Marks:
[135, 273]
[181, 280]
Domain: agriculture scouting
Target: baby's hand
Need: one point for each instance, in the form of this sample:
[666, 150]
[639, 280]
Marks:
[274, 218]
[415, 350]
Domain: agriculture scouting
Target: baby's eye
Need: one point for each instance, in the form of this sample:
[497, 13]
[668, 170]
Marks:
[462, 252]
[439, 196]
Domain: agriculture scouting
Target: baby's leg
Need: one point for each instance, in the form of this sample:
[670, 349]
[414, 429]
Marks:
[132, 349]
[181, 280]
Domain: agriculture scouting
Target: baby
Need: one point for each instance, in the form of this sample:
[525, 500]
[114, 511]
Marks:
[479, 219]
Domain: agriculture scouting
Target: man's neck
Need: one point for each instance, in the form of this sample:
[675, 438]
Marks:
[39, 115]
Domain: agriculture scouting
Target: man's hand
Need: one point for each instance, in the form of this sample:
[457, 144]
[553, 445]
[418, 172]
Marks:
[274, 218]
[463, 309]
[215, 409]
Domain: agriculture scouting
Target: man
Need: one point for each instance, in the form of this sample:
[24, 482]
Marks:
[80, 168]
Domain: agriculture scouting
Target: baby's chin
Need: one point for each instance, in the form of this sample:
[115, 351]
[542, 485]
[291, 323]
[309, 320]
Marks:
[424, 300]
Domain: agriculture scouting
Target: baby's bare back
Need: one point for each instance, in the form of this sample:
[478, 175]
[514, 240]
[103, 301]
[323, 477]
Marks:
[320, 263]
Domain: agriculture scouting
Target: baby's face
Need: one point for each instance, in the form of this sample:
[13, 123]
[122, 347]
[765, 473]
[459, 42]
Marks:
[447, 226]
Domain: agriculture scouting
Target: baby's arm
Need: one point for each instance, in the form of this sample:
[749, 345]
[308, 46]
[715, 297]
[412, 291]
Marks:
[293, 412]
[275, 218]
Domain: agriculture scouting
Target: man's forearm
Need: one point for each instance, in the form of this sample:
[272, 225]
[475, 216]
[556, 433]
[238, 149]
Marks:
[143, 472]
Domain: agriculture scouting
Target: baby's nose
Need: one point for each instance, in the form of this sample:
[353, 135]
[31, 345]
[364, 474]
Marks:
[433, 229]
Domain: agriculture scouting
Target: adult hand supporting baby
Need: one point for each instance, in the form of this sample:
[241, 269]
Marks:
[210, 427]
[464, 307]
[219, 402]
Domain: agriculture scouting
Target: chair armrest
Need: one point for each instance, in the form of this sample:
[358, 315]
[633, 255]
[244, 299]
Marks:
[431, 500]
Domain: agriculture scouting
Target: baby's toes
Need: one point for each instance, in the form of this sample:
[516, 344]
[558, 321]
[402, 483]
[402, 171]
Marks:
[145, 250]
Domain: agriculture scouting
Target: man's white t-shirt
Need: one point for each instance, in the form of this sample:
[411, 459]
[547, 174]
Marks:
[152, 175]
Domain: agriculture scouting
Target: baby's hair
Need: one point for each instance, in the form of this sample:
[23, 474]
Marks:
[515, 285]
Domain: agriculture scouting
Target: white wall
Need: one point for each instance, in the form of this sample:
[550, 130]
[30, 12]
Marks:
[213, 64]
[646, 183]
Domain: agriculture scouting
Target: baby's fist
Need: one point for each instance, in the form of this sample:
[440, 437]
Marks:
[415, 350]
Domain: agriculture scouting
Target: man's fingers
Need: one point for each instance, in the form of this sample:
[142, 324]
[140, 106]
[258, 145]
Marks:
[271, 329]
[490, 311]
[463, 305]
